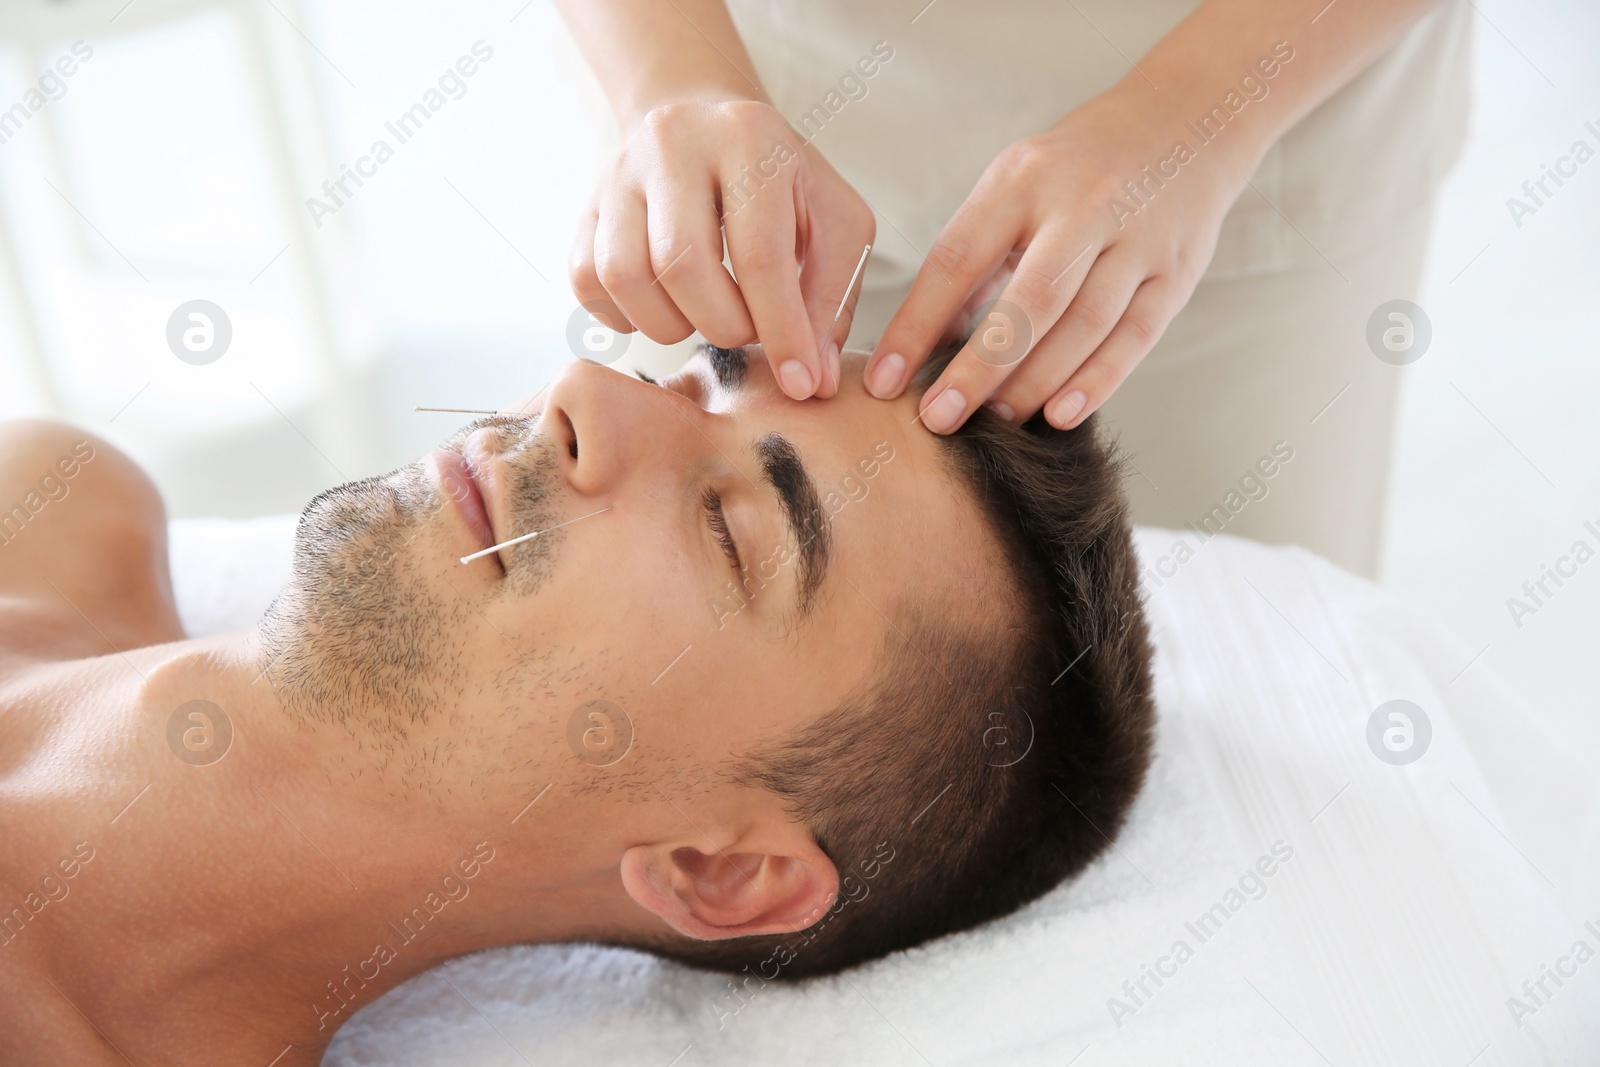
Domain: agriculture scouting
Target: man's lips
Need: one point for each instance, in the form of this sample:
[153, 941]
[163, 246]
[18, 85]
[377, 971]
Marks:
[459, 486]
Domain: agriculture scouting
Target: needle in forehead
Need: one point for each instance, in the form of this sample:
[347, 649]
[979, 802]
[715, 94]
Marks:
[529, 536]
[862, 262]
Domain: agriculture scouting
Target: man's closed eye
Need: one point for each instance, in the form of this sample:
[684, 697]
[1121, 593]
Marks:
[711, 500]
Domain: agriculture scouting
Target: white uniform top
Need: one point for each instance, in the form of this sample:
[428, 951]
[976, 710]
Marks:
[966, 79]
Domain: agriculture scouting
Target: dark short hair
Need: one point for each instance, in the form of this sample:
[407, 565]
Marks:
[914, 786]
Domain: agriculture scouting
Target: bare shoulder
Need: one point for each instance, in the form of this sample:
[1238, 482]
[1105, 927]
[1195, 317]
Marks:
[83, 544]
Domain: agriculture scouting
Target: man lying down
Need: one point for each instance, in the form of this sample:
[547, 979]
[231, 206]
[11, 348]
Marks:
[786, 686]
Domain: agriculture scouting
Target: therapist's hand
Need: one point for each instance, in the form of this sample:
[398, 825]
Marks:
[693, 173]
[1087, 290]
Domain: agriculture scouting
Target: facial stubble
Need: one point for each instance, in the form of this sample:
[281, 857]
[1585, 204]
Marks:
[373, 628]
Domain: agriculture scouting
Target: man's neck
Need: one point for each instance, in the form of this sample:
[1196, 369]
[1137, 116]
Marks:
[245, 905]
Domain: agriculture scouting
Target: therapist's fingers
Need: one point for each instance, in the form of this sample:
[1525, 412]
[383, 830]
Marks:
[622, 263]
[834, 249]
[685, 239]
[1100, 302]
[761, 245]
[1140, 327]
[830, 333]
[983, 231]
[1034, 297]
[585, 281]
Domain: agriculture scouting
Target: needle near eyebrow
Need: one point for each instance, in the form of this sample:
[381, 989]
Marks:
[528, 536]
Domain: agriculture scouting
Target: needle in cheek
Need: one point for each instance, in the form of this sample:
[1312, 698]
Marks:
[529, 536]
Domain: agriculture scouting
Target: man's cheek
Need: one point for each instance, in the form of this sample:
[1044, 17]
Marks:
[768, 568]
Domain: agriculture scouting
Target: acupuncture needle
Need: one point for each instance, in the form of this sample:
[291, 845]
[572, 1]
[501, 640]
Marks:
[529, 536]
[471, 411]
[862, 262]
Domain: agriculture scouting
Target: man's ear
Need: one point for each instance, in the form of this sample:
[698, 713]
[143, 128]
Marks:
[711, 896]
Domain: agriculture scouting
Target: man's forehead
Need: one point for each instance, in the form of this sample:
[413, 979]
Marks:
[884, 480]
[745, 374]
[849, 435]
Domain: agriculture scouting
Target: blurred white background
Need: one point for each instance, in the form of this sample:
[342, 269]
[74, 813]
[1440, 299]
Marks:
[177, 163]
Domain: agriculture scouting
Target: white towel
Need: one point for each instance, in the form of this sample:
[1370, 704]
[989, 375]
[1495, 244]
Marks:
[1414, 906]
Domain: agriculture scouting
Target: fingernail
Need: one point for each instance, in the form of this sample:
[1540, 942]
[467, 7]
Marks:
[1064, 409]
[796, 379]
[884, 381]
[833, 364]
[1004, 410]
[946, 410]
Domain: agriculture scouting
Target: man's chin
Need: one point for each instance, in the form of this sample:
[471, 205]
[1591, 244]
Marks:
[363, 632]
[372, 623]
[356, 529]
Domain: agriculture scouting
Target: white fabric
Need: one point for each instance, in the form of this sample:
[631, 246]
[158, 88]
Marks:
[968, 79]
[226, 571]
[1413, 906]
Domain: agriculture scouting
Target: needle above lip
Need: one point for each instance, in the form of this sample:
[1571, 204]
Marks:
[473, 411]
[528, 536]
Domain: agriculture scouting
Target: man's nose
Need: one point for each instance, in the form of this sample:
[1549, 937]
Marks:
[611, 426]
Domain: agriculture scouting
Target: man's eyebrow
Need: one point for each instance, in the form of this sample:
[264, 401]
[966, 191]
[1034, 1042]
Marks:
[802, 510]
[786, 473]
[728, 365]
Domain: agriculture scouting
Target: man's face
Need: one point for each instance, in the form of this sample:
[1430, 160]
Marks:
[731, 564]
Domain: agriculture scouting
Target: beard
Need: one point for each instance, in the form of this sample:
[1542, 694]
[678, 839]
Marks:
[371, 631]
